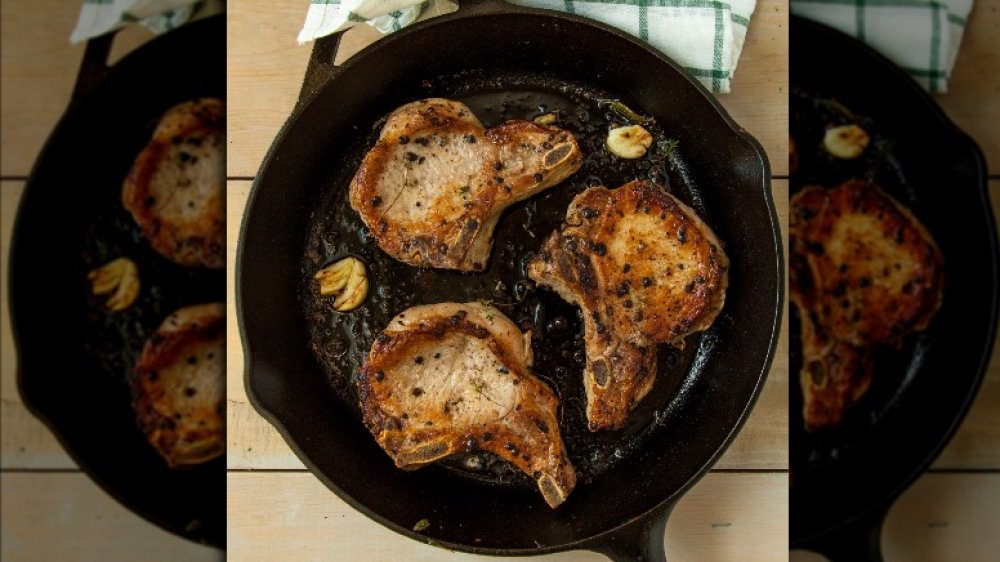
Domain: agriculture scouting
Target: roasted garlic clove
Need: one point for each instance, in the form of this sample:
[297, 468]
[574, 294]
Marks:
[629, 142]
[846, 141]
[346, 280]
[118, 278]
[545, 119]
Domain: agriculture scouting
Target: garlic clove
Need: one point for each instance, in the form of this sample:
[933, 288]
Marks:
[846, 142]
[545, 119]
[346, 280]
[629, 142]
[119, 279]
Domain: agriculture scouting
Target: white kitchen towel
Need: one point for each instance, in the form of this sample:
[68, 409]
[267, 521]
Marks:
[921, 36]
[329, 16]
[98, 17]
[704, 36]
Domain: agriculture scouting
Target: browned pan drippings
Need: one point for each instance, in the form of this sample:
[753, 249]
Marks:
[340, 341]
[116, 338]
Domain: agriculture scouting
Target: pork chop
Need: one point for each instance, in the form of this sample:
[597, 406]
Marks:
[451, 378]
[179, 386]
[176, 188]
[835, 375]
[863, 272]
[874, 272]
[434, 185]
[645, 270]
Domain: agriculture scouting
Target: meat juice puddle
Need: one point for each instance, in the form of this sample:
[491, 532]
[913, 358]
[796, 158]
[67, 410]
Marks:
[108, 231]
[893, 369]
[341, 341]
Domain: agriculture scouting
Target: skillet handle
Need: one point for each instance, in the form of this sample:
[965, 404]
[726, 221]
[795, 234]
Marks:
[475, 7]
[638, 541]
[858, 541]
[94, 66]
[321, 68]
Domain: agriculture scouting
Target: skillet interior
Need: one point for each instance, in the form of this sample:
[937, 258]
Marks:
[341, 341]
[74, 358]
[714, 388]
[920, 394]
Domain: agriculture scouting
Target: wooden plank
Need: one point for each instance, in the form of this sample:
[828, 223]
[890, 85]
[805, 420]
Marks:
[39, 68]
[293, 516]
[973, 99]
[945, 517]
[942, 517]
[265, 74]
[759, 97]
[65, 516]
[24, 441]
[255, 444]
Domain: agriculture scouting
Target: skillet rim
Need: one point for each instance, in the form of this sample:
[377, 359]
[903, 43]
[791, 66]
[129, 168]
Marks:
[73, 112]
[897, 75]
[593, 541]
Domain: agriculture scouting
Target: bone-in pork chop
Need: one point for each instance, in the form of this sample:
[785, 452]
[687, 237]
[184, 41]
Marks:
[179, 386]
[646, 270]
[449, 378]
[176, 189]
[863, 272]
[434, 185]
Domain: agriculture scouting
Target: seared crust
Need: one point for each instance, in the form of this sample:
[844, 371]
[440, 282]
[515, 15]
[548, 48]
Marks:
[179, 386]
[176, 188]
[645, 269]
[863, 271]
[870, 269]
[452, 378]
[434, 185]
[834, 376]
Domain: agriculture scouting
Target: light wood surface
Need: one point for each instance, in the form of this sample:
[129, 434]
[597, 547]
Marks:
[954, 515]
[273, 69]
[267, 64]
[973, 97]
[265, 74]
[269, 69]
[942, 517]
[725, 517]
[65, 516]
[39, 67]
[50, 510]
[945, 516]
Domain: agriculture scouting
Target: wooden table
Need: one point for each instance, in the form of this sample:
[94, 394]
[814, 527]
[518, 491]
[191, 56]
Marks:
[738, 512]
[50, 509]
[953, 511]
[276, 508]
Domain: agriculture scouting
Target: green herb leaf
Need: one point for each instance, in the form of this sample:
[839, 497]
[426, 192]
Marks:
[622, 110]
[666, 147]
[421, 525]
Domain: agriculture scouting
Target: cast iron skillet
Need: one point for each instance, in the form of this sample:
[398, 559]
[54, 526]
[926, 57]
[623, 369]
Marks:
[74, 359]
[622, 511]
[844, 482]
